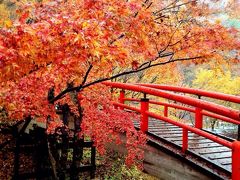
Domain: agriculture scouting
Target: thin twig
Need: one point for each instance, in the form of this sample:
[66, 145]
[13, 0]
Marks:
[86, 76]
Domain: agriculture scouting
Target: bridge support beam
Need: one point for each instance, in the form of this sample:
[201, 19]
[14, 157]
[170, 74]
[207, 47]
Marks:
[236, 160]
[144, 115]
[198, 118]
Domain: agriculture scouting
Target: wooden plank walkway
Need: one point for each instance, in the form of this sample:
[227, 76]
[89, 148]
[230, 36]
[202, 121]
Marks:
[207, 149]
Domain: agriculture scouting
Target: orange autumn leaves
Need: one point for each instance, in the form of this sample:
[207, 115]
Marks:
[54, 42]
[65, 34]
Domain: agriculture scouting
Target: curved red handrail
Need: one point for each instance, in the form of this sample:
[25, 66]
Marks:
[221, 110]
[181, 125]
[198, 92]
[193, 129]
[189, 109]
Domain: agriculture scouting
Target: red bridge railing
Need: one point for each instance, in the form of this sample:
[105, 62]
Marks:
[198, 92]
[199, 107]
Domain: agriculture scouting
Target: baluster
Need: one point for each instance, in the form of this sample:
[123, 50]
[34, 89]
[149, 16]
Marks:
[144, 116]
[198, 118]
[236, 160]
[121, 98]
[165, 110]
[184, 140]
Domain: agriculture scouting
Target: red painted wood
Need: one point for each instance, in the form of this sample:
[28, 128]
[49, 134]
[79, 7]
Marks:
[236, 160]
[198, 118]
[121, 98]
[166, 111]
[192, 129]
[205, 113]
[221, 110]
[199, 92]
[144, 115]
[184, 140]
[182, 125]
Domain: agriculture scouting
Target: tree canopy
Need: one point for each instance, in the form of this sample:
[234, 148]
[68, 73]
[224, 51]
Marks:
[69, 46]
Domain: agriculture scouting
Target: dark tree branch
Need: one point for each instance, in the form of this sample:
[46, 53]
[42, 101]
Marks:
[150, 4]
[119, 37]
[69, 88]
[86, 76]
[138, 70]
[142, 67]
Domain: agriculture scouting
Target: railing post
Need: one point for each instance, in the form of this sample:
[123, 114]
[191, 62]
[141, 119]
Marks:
[184, 140]
[144, 116]
[165, 110]
[198, 118]
[236, 160]
[121, 98]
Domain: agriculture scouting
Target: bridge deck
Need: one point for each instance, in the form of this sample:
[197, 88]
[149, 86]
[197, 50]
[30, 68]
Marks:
[212, 152]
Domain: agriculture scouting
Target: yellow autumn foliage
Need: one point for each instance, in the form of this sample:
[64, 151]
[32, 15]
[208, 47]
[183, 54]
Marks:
[167, 75]
[4, 15]
[217, 80]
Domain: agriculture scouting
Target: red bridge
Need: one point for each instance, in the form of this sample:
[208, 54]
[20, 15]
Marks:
[211, 150]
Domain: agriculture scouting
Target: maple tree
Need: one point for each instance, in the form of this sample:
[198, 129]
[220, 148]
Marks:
[58, 52]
